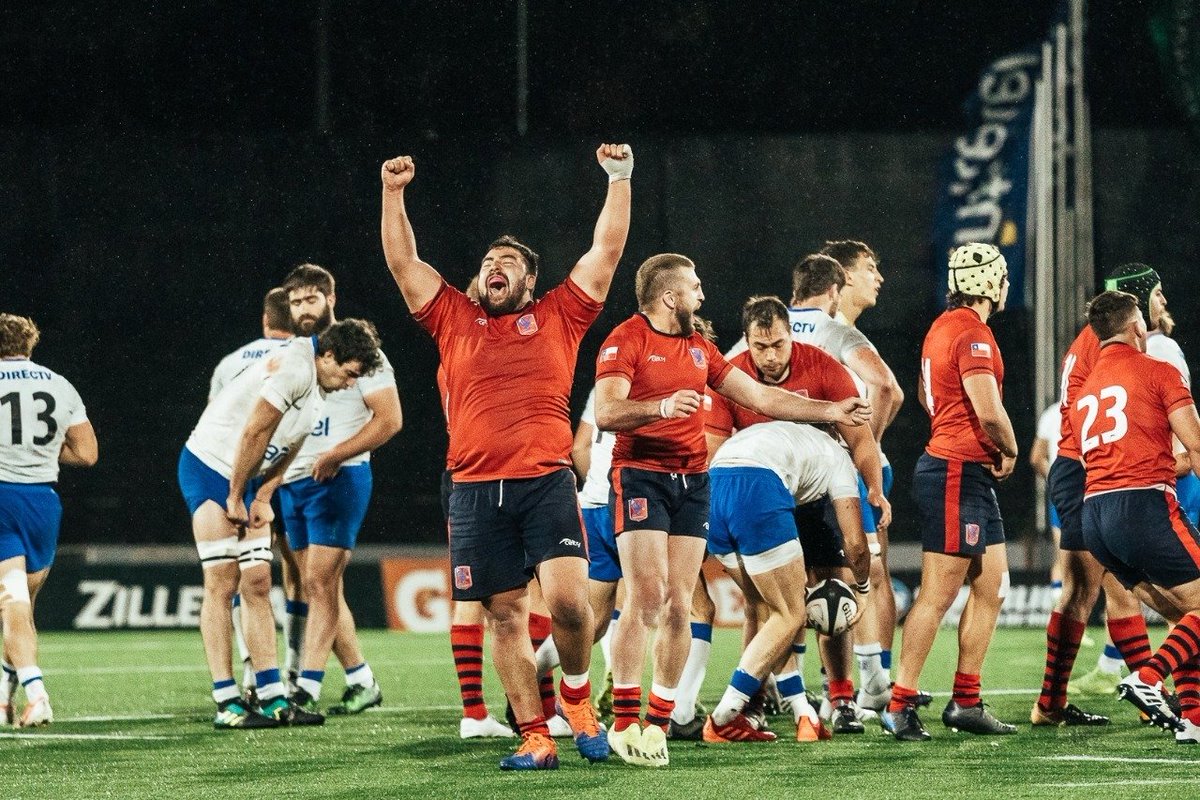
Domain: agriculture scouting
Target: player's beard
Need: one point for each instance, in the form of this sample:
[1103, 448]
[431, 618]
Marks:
[307, 325]
[508, 305]
[686, 320]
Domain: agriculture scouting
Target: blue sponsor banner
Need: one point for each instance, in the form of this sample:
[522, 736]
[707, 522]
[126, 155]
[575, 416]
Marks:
[983, 179]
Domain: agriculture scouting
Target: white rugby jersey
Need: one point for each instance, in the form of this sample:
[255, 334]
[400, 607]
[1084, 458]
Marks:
[808, 461]
[595, 486]
[1049, 428]
[346, 412]
[287, 379]
[1164, 348]
[37, 405]
[236, 362]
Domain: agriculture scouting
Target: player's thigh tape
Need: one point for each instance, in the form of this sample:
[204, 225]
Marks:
[728, 560]
[778, 556]
[16, 585]
[217, 552]
[1005, 583]
[252, 552]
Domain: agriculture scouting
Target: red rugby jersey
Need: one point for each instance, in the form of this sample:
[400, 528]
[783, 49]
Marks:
[958, 346]
[1121, 413]
[657, 365]
[1077, 365]
[508, 380]
[813, 373]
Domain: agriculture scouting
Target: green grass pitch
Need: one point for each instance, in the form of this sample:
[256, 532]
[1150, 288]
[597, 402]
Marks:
[134, 721]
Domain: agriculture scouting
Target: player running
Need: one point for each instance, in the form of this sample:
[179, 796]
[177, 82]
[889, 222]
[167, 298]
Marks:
[1125, 414]
[43, 423]
[650, 379]
[254, 429]
[509, 362]
[971, 447]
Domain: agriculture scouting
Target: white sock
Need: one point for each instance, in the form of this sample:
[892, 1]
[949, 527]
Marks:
[732, 703]
[1110, 665]
[870, 665]
[547, 656]
[360, 675]
[606, 646]
[247, 673]
[239, 638]
[575, 681]
[7, 672]
[691, 681]
[31, 679]
[664, 692]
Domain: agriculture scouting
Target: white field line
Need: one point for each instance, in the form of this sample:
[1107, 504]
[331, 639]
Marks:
[1121, 760]
[162, 717]
[94, 737]
[1150, 782]
[199, 666]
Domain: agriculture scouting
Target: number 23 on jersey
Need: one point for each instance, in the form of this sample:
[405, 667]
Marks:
[1112, 400]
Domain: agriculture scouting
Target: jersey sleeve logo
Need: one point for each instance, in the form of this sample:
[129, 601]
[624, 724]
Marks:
[639, 509]
[698, 357]
[981, 349]
[609, 354]
[527, 325]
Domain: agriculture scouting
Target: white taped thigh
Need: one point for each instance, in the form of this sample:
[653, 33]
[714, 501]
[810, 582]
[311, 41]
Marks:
[16, 585]
[252, 552]
[217, 552]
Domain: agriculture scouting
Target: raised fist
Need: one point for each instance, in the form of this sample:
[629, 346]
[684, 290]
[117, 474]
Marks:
[397, 172]
[617, 160]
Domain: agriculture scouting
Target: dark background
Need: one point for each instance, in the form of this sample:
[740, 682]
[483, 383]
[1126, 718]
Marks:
[163, 165]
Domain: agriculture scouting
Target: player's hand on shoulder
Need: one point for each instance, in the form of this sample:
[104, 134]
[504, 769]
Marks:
[852, 411]
[397, 172]
[617, 160]
[1000, 471]
[682, 404]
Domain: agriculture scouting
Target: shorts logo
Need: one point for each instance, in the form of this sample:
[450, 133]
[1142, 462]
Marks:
[527, 325]
[639, 509]
[462, 578]
[570, 542]
[608, 354]
[981, 349]
[698, 357]
[972, 531]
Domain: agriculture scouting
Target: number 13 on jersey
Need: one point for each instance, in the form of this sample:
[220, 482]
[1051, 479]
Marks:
[1113, 399]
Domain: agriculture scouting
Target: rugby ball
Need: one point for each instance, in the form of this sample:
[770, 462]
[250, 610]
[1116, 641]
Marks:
[831, 606]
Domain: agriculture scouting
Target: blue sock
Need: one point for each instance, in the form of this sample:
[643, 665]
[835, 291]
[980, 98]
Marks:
[702, 631]
[1055, 584]
[790, 687]
[616, 615]
[745, 683]
[237, 601]
[1111, 651]
[885, 659]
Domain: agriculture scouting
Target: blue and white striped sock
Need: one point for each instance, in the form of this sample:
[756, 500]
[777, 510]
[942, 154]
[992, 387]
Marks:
[269, 684]
[310, 681]
[360, 675]
[224, 691]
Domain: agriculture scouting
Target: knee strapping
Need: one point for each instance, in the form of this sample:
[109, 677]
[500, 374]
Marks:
[220, 551]
[252, 552]
[16, 585]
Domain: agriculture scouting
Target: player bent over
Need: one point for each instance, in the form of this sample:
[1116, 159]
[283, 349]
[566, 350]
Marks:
[43, 423]
[650, 379]
[971, 447]
[509, 362]
[253, 429]
[1125, 414]
[758, 477]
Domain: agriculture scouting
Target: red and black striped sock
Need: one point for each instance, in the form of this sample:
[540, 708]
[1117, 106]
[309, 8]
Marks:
[1187, 683]
[1181, 646]
[466, 641]
[535, 725]
[540, 627]
[841, 690]
[901, 696]
[658, 711]
[1129, 635]
[966, 690]
[627, 706]
[1063, 635]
